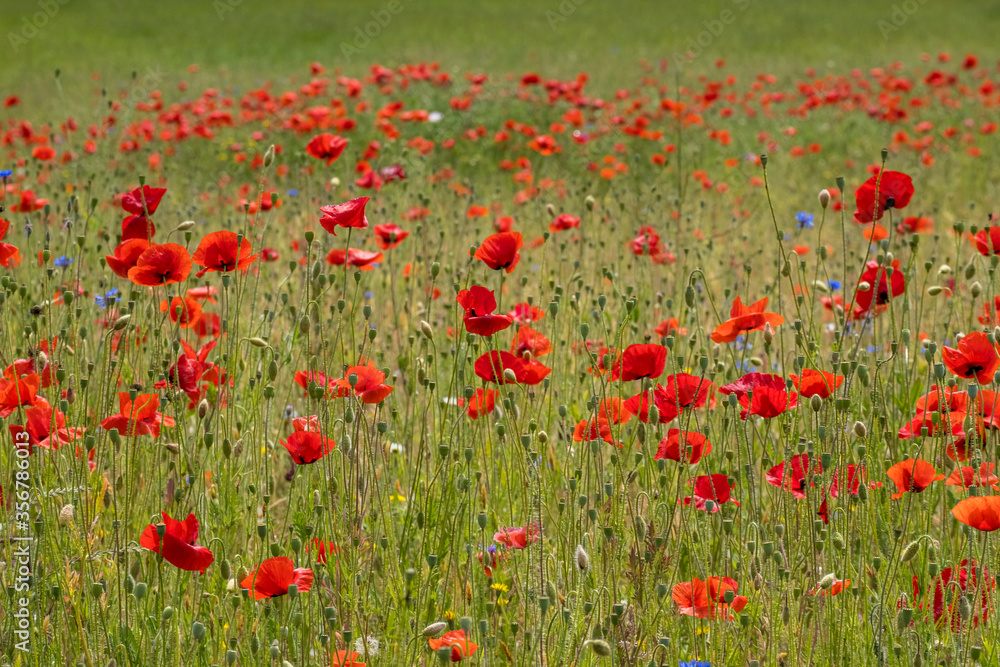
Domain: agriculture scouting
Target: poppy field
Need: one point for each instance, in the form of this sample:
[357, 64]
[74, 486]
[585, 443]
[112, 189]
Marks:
[408, 363]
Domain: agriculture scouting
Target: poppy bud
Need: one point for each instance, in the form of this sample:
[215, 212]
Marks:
[509, 375]
[600, 647]
[945, 270]
[435, 269]
[122, 322]
[768, 333]
[551, 210]
[269, 156]
[816, 403]
[828, 581]
[864, 286]
[860, 429]
[198, 631]
[258, 342]
[304, 324]
[654, 415]
[434, 629]
[202, 408]
[910, 552]
[66, 515]
[976, 289]
[934, 290]
[824, 197]
[964, 607]
[589, 202]
[582, 558]
[426, 330]
[689, 296]
[186, 225]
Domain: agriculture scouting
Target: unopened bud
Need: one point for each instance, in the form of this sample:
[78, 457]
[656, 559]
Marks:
[768, 333]
[860, 429]
[122, 322]
[202, 408]
[426, 330]
[66, 515]
[815, 402]
[582, 558]
[186, 225]
[551, 210]
[824, 197]
[828, 581]
[600, 647]
[509, 375]
[934, 290]
[269, 156]
[864, 286]
[434, 629]
[976, 289]
[589, 202]
[258, 342]
[910, 552]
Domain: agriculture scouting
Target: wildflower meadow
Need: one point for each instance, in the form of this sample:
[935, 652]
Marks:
[398, 354]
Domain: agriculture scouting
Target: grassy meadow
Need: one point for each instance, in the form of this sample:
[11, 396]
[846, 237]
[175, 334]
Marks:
[575, 333]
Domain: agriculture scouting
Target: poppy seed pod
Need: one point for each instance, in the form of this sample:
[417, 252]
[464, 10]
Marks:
[860, 429]
[824, 197]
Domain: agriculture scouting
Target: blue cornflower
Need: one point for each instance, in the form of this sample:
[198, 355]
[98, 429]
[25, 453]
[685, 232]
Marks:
[63, 261]
[787, 237]
[111, 296]
[292, 193]
[835, 285]
[6, 173]
[369, 295]
[694, 663]
[804, 219]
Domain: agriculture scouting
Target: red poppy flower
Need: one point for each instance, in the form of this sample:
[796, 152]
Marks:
[161, 265]
[894, 191]
[10, 255]
[979, 512]
[529, 341]
[304, 378]
[966, 476]
[934, 425]
[138, 417]
[190, 369]
[143, 201]
[794, 474]
[389, 236]
[126, 256]
[696, 445]
[481, 403]
[987, 241]
[525, 313]
[223, 251]
[500, 251]
[43, 153]
[17, 391]
[854, 475]
[768, 403]
[817, 383]
[185, 312]
[669, 326]
[346, 659]
[518, 537]
[350, 214]
[640, 361]
[137, 227]
[370, 384]
[460, 645]
[744, 319]
[564, 221]
[709, 487]
[178, 544]
[479, 304]
[594, 429]
[937, 400]
[490, 367]
[323, 547]
[706, 599]
[533, 372]
[976, 357]
[912, 475]
[29, 203]
[888, 288]
[273, 577]
[45, 426]
[307, 446]
[327, 147]
[362, 260]
[639, 405]
[839, 586]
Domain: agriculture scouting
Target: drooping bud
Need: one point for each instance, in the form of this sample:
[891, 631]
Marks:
[434, 629]
[600, 647]
[910, 552]
[122, 322]
[860, 429]
[186, 225]
[509, 375]
[824, 197]
[582, 558]
[269, 156]
[426, 330]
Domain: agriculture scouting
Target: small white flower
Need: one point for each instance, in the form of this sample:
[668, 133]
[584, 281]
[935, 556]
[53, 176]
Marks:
[435, 117]
[395, 447]
[369, 642]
